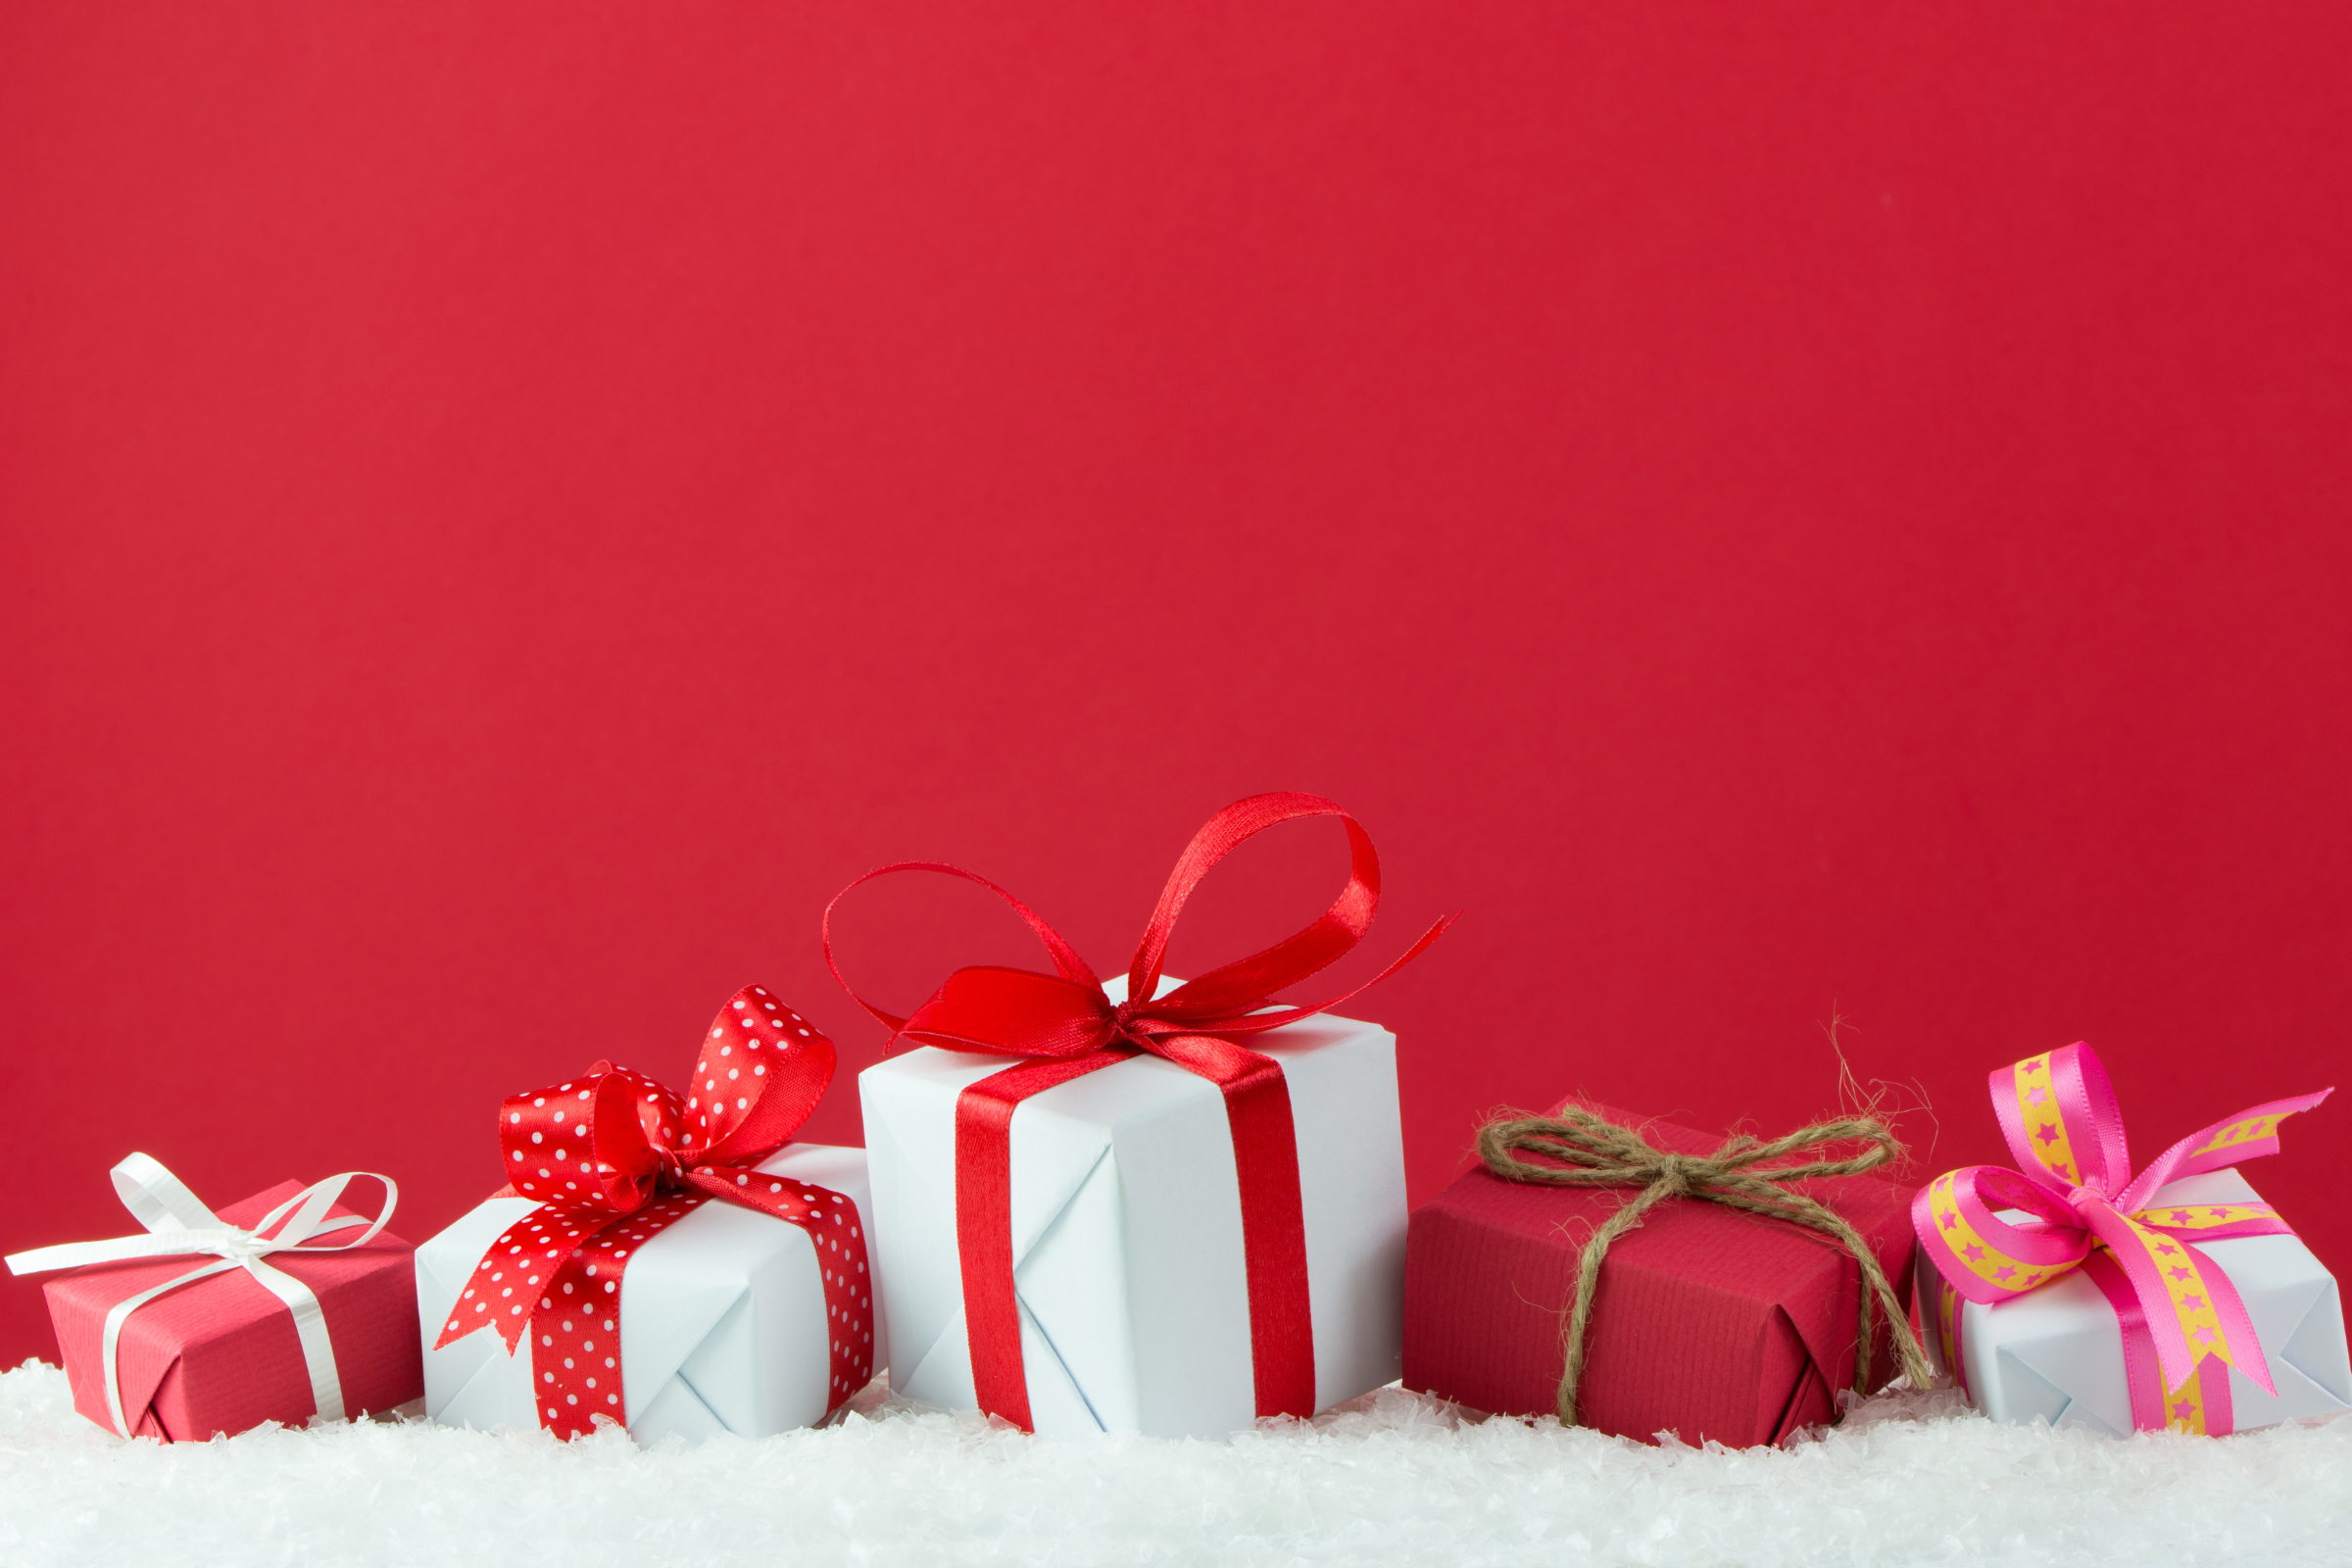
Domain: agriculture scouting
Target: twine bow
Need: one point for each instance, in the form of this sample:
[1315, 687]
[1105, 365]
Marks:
[1600, 1154]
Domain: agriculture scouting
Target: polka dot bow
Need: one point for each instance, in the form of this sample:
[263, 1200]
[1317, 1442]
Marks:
[614, 1157]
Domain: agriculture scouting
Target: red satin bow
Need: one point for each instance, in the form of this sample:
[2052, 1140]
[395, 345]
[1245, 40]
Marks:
[616, 1157]
[1068, 1027]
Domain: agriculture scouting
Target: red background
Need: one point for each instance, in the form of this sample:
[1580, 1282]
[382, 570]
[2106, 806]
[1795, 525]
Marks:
[1778, 514]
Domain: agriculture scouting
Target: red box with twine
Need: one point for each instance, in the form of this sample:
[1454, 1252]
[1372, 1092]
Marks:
[1705, 1321]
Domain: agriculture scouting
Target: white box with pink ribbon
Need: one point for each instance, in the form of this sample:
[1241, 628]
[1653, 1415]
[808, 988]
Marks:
[2083, 1292]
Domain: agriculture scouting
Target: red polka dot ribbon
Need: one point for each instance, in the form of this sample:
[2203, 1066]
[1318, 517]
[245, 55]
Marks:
[616, 1157]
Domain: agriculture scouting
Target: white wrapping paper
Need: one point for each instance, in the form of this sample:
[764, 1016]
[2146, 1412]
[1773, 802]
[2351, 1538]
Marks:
[1127, 1231]
[2057, 1354]
[722, 1318]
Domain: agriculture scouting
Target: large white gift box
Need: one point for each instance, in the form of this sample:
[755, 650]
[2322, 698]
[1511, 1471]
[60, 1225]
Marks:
[1126, 1215]
[2056, 1353]
[722, 1318]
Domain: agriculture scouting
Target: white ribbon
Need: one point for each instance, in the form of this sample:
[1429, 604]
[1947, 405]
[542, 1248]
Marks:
[177, 1224]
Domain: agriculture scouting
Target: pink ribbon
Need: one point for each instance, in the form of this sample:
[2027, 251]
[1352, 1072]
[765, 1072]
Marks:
[2087, 1208]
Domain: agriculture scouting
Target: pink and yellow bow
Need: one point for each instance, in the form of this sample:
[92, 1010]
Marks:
[2076, 1186]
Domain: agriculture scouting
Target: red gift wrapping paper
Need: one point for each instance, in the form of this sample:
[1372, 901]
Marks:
[1707, 1322]
[221, 1355]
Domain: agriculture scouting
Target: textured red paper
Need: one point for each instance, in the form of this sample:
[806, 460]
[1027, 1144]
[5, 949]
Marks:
[221, 1355]
[1708, 1323]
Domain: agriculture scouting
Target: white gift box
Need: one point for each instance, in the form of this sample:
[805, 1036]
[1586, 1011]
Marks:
[2056, 1353]
[722, 1318]
[1127, 1231]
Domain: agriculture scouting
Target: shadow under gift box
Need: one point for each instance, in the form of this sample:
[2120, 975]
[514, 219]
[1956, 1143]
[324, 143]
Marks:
[222, 1355]
[2056, 1353]
[1707, 1322]
[721, 1328]
[1127, 1231]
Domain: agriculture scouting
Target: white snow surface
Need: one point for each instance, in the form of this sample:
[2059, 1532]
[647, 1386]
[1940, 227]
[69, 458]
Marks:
[1392, 1478]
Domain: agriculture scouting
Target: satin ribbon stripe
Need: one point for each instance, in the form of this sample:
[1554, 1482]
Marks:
[1984, 1258]
[614, 1157]
[2220, 1222]
[178, 1224]
[2041, 1137]
[1948, 1323]
[2206, 1315]
[2084, 1207]
[2239, 1134]
[1065, 1026]
[2201, 1406]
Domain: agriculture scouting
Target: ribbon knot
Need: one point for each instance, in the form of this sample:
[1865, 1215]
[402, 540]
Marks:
[1678, 1174]
[2088, 1200]
[2081, 1199]
[1578, 1149]
[1123, 1025]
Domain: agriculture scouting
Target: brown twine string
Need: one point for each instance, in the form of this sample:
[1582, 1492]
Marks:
[1601, 1154]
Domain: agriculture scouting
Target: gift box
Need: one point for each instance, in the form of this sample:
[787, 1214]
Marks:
[1096, 1209]
[2076, 1291]
[1128, 1259]
[662, 1261]
[264, 1328]
[1707, 1322]
[720, 1323]
[2057, 1354]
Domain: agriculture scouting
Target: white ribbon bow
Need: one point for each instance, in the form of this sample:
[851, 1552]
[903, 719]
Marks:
[176, 1224]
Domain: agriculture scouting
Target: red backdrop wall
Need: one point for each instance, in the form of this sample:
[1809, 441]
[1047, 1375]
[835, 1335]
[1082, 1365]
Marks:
[1779, 514]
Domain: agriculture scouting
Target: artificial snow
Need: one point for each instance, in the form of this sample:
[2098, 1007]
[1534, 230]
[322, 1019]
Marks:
[1393, 1478]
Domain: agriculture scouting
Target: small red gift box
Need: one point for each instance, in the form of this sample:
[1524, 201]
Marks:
[1707, 1322]
[222, 1353]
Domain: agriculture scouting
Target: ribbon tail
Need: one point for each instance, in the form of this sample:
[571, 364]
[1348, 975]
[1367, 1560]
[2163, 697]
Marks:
[2192, 1310]
[2251, 1134]
[2241, 1346]
[516, 1270]
[170, 1242]
[2202, 1404]
[1257, 1023]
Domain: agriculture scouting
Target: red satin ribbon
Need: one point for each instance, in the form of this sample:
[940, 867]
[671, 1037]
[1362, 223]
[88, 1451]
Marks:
[616, 1157]
[1069, 1028]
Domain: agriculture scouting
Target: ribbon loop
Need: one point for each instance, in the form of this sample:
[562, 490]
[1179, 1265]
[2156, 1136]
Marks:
[1246, 984]
[2062, 1122]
